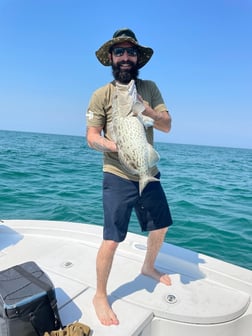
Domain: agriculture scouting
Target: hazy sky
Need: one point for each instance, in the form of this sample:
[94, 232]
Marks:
[202, 64]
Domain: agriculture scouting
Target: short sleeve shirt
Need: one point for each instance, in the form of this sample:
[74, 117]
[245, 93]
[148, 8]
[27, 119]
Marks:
[99, 114]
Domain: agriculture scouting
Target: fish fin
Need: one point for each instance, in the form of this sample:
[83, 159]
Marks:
[147, 122]
[144, 181]
[153, 156]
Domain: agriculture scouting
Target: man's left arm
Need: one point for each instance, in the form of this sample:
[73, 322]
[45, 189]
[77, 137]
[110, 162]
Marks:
[155, 107]
[162, 119]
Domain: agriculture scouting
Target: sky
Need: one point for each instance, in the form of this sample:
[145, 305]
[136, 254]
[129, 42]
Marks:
[202, 64]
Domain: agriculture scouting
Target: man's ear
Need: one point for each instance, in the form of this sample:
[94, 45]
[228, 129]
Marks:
[110, 58]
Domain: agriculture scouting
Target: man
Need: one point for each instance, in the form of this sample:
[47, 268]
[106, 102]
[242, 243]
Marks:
[120, 188]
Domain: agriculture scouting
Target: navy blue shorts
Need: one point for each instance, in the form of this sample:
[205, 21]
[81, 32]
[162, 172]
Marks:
[121, 196]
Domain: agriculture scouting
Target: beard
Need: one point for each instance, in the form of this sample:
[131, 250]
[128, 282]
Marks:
[125, 76]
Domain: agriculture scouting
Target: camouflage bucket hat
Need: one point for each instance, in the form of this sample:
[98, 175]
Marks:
[123, 35]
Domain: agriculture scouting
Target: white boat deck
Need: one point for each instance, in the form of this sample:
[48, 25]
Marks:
[207, 295]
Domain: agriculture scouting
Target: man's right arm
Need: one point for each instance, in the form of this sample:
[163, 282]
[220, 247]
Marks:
[96, 141]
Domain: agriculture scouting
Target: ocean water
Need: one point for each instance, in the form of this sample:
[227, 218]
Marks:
[209, 189]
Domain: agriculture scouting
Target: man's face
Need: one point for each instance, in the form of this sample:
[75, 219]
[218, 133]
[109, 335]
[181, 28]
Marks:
[124, 62]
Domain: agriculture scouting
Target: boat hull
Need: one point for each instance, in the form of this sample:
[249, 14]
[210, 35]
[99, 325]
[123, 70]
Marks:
[207, 296]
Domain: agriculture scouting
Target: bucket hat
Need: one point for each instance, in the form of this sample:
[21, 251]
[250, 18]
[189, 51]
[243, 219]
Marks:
[123, 35]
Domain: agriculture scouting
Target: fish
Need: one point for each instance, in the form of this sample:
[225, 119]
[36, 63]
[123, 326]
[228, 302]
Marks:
[135, 153]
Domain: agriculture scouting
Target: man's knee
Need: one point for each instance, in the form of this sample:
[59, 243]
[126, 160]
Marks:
[159, 232]
[164, 230]
[110, 244]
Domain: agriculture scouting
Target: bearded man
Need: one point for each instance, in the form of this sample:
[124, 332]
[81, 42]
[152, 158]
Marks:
[121, 188]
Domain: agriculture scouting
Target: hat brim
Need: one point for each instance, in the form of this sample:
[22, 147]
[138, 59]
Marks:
[144, 53]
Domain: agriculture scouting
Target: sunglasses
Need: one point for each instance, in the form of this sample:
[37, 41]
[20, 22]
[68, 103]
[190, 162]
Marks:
[119, 51]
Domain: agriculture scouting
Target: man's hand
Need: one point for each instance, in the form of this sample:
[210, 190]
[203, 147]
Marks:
[97, 141]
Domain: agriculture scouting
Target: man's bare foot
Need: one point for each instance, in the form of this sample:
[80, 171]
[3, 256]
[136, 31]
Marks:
[104, 312]
[158, 276]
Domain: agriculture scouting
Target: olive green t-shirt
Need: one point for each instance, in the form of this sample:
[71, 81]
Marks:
[99, 114]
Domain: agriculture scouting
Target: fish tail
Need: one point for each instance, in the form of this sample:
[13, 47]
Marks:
[144, 181]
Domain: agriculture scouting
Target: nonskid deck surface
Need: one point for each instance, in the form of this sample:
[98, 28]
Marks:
[204, 290]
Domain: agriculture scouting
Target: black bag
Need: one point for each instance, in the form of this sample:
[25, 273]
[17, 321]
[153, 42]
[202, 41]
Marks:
[28, 305]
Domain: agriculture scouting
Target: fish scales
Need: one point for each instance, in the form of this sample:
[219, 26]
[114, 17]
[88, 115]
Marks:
[136, 155]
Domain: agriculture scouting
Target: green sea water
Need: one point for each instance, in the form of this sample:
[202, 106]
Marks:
[209, 189]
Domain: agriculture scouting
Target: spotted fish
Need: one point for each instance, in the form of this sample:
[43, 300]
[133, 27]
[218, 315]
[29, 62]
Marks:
[136, 155]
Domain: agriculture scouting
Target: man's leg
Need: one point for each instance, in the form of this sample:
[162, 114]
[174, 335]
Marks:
[104, 262]
[154, 243]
